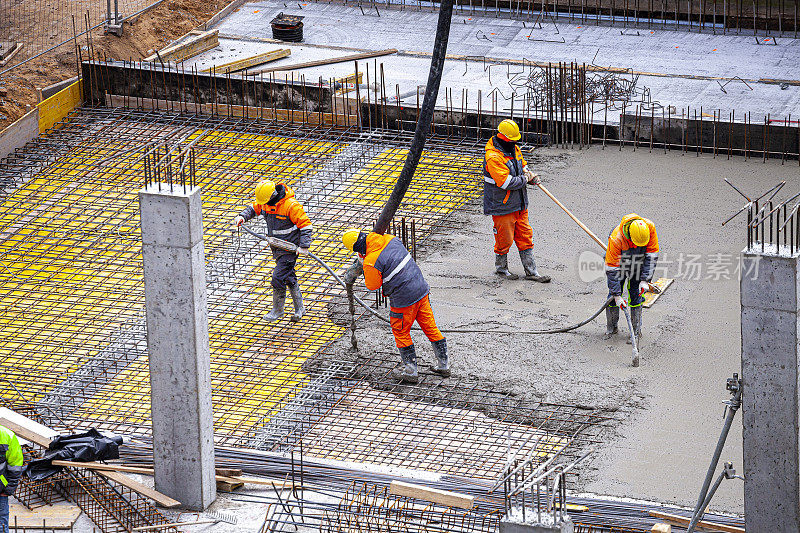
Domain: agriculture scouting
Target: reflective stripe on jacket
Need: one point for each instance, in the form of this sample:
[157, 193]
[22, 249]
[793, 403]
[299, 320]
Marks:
[390, 265]
[504, 185]
[626, 260]
[286, 219]
[10, 461]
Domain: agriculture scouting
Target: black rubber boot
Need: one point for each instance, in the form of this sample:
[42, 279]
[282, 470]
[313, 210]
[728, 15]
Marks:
[442, 364]
[407, 372]
[297, 301]
[529, 264]
[612, 321]
[636, 320]
[501, 267]
[278, 303]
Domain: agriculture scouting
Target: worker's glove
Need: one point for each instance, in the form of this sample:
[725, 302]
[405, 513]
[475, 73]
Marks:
[644, 287]
[238, 221]
[620, 302]
[302, 251]
[532, 177]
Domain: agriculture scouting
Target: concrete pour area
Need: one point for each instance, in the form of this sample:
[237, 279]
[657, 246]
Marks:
[671, 407]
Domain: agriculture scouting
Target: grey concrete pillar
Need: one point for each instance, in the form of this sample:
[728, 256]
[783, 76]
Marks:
[177, 343]
[770, 304]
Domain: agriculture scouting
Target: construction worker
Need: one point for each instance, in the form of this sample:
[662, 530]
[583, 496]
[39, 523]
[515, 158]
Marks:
[631, 256]
[10, 471]
[387, 263]
[505, 197]
[286, 220]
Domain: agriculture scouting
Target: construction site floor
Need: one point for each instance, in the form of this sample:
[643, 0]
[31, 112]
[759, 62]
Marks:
[672, 405]
[678, 68]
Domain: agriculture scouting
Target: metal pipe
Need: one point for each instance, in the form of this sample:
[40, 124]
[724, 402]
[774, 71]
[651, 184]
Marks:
[734, 385]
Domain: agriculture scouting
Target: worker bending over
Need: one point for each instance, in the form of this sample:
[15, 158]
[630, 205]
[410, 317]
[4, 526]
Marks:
[387, 263]
[10, 471]
[631, 256]
[505, 197]
[286, 220]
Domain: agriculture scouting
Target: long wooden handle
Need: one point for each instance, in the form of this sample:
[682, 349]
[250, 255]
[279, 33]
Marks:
[573, 217]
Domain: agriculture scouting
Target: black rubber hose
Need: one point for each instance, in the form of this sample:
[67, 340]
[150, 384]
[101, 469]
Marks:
[423, 121]
[285, 245]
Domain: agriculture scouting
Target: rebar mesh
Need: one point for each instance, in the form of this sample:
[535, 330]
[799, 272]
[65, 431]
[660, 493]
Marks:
[72, 333]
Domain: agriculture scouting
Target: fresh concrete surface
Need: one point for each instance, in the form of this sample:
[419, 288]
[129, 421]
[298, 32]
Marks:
[691, 340]
[667, 53]
[670, 409]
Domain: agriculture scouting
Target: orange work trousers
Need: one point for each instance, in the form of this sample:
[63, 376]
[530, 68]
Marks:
[402, 319]
[512, 228]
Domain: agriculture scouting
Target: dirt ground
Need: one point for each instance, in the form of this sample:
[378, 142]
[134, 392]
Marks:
[670, 407]
[151, 30]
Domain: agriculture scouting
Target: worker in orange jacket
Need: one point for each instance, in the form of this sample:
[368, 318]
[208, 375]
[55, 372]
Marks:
[505, 197]
[287, 220]
[387, 263]
[631, 256]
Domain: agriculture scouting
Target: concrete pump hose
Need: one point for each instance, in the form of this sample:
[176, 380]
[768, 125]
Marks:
[284, 245]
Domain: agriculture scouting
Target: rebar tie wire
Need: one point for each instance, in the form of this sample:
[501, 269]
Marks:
[285, 245]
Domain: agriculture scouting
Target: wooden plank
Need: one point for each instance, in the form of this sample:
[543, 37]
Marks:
[10, 56]
[106, 467]
[241, 64]
[25, 433]
[682, 520]
[320, 62]
[161, 499]
[189, 48]
[148, 471]
[267, 482]
[442, 497]
[651, 297]
[62, 515]
[229, 472]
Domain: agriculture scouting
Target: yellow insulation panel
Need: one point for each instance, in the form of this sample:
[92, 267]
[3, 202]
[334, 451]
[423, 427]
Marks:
[54, 109]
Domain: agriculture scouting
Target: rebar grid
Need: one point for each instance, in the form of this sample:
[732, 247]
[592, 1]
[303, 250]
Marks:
[368, 506]
[72, 336]
[449, 426]
[70, 255]
[113, 507]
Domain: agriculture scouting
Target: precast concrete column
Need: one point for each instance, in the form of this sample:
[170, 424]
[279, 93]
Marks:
[770, 304]
[177, 342]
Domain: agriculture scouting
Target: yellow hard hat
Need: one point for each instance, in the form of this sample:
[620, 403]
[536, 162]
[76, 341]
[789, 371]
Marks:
[264, 191]
[510, 130]
[639, 232]
[350, 237]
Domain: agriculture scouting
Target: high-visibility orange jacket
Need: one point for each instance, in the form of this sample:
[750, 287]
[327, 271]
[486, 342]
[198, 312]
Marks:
[626, 260]
[286, 218]
[388, 264]
[504, 184]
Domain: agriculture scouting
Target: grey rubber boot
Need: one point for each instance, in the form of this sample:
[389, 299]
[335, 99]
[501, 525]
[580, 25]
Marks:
[297, 301]
[529, 264]
[278, 302]
[407, 373]
[501, 267]
[636, 320]
[442, 364]
[612, 321]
